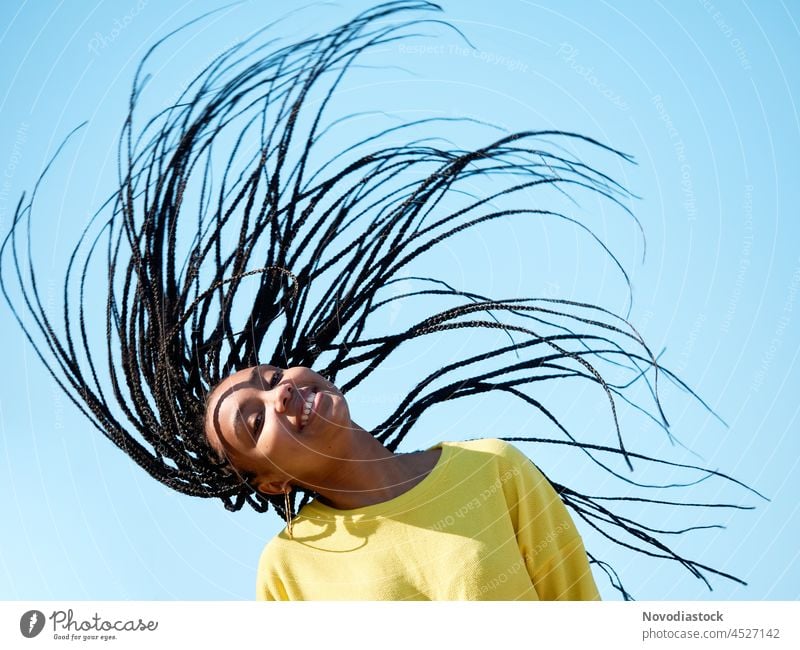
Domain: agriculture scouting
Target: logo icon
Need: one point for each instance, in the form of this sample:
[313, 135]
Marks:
[31, 623]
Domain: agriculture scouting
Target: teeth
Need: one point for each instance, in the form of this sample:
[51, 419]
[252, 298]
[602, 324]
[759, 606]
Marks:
[306, 410]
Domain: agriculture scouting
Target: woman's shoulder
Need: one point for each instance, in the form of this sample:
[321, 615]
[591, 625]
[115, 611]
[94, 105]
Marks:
[486, 452]
[273, 550]
[493, 446]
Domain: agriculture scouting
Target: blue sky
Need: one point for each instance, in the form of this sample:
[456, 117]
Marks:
[699, 93]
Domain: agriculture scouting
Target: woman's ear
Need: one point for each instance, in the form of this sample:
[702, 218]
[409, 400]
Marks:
[273, 486]
[264, 484]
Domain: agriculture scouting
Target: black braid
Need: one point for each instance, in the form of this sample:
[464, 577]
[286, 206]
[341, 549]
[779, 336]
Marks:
[176, 323]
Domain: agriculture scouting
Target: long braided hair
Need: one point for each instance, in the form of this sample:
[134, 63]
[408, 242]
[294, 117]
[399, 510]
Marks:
[286, 259]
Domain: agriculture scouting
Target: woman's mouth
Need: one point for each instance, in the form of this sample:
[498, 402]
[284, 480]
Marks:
[308, 409]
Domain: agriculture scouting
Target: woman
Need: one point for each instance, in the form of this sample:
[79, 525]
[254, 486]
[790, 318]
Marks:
[289, 258]
[470, 521]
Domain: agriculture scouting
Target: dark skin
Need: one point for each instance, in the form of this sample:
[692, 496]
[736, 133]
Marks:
[292, 428]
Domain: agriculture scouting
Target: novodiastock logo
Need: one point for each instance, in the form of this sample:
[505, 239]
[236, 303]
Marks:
[31, 623]
[67, 627]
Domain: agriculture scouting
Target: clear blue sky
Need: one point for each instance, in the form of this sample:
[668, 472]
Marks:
[702, 96]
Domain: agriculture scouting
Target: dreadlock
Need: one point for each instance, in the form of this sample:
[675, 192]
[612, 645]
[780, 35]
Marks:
[288, 258]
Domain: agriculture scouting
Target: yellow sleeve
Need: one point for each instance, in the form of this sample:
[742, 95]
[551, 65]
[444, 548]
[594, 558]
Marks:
[548, 539]
[268, 585]
[565, 575]
[262, 593]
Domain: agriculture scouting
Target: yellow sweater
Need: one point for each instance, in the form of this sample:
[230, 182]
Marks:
[483, 525]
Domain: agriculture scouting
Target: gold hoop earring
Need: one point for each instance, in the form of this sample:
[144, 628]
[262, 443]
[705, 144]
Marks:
[288, 510]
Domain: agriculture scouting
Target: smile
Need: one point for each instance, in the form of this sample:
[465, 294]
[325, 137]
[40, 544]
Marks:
[308, 406]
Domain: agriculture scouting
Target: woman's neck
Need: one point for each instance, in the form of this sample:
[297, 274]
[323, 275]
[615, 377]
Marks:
[373, 474]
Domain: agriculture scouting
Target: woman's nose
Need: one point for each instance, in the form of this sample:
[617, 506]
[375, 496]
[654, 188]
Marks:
[281, 396]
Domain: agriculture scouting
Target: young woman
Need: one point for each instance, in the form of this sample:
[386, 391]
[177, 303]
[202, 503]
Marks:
[224, 290]
[472, 520]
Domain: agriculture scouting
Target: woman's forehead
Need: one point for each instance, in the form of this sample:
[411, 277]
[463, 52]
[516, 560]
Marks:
[228, 387]
[240, 379]
[250, 374]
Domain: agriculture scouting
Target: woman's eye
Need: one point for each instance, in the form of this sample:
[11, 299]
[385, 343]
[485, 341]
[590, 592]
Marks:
[259, 421]
[276, 377]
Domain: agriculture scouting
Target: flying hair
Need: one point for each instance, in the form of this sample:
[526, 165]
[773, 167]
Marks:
[292, 254]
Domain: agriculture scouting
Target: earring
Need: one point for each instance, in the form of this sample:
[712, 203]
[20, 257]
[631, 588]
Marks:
[288, 510]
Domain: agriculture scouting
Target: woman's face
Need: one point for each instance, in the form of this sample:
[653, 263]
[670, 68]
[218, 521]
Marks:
[284, 426]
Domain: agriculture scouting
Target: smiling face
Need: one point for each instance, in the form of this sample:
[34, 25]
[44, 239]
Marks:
[283, 426]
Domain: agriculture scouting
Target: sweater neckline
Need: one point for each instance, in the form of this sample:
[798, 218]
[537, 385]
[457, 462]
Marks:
[315, 508]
